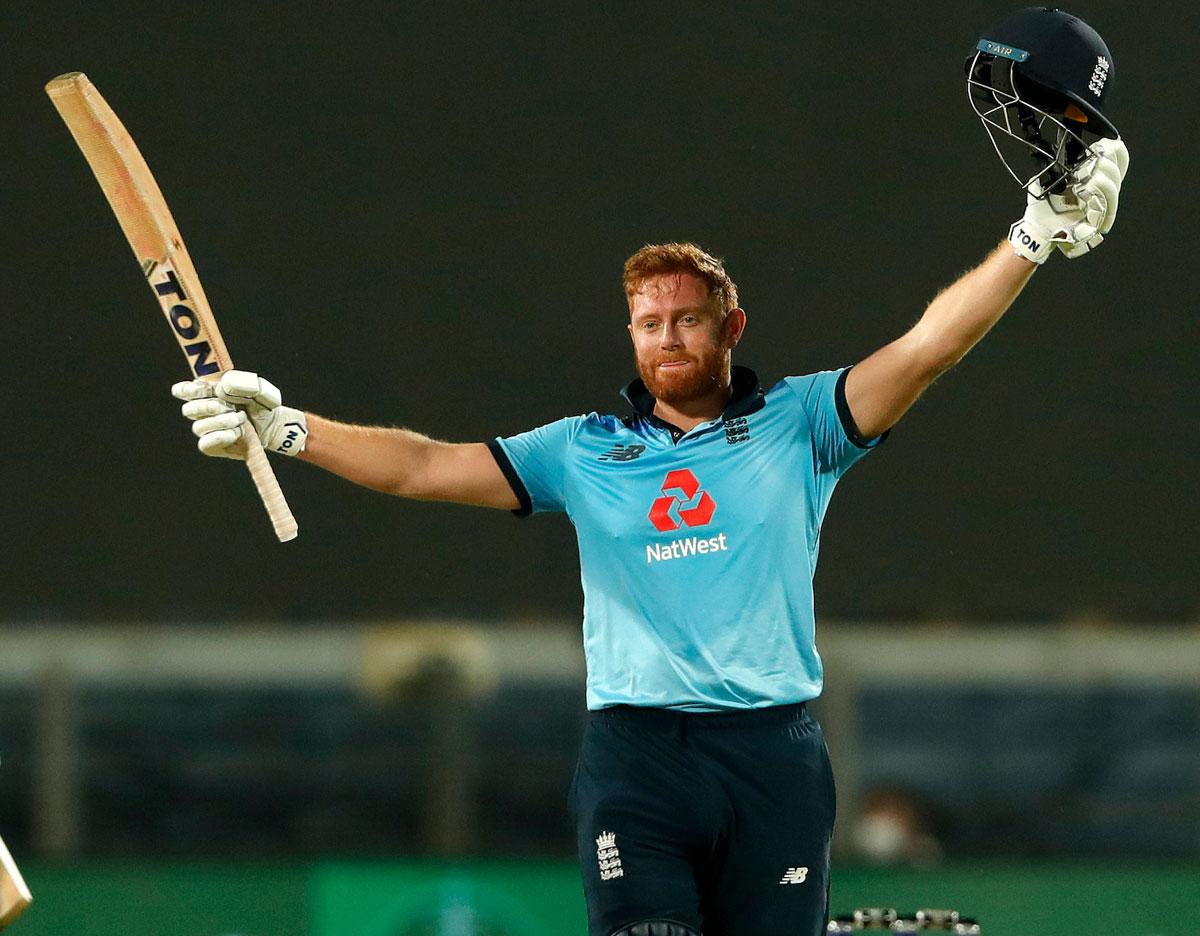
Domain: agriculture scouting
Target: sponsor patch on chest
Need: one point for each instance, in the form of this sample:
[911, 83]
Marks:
[686, 546]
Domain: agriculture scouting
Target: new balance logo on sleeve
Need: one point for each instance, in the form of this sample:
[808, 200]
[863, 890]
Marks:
[794, 876]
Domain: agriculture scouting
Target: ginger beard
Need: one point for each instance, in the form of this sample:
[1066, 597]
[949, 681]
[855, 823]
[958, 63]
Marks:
[705, 372]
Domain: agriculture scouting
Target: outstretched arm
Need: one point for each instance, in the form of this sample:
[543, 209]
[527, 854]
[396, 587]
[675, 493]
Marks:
[880, 389]
[408, 464]
[393, 461]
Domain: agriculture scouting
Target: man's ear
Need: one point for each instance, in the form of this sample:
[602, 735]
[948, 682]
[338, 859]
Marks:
[735, 326]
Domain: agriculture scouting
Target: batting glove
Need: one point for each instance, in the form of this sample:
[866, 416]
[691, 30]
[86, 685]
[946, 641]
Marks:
[1096, 183]
[219, 410]
[1074, 222]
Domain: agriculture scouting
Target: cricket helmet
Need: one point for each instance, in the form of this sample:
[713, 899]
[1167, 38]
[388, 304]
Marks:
[1040, 79]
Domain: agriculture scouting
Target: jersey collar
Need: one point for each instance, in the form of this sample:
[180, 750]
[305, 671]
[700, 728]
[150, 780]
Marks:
[747, 395]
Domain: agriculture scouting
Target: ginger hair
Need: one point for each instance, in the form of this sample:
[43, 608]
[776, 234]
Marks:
[665, 259]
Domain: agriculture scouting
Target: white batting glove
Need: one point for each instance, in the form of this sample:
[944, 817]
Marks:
[1096, 183]
[1047, 223]
[219, 412]
[1077, 221]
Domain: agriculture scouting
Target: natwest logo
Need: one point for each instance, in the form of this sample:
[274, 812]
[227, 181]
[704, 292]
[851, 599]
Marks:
[682, 503]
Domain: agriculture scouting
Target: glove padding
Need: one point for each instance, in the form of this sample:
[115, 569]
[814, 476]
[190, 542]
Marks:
[219, 412]
[1096, 183]
[1077, 221]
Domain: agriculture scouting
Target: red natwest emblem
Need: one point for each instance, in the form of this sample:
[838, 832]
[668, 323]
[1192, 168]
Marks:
[682, 502]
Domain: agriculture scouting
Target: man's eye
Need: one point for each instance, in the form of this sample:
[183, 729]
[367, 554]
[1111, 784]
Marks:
[649, 326]
[689, 319]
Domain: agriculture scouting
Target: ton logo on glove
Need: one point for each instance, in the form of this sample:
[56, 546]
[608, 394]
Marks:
[219, 411]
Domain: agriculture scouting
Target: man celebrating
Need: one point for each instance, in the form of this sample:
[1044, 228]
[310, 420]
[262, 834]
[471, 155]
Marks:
[703, 794]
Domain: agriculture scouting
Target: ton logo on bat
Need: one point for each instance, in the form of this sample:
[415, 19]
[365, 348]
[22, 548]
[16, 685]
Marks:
[184, 321]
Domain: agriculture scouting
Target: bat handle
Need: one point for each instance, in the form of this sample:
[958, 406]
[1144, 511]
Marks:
[285, 524]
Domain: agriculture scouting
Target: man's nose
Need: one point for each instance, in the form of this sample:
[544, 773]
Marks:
[669, 337]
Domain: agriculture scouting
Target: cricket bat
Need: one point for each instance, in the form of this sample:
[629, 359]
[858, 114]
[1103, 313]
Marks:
[14, 895]
[142, 212]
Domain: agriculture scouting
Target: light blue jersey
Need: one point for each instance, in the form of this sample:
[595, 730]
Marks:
[697, 550]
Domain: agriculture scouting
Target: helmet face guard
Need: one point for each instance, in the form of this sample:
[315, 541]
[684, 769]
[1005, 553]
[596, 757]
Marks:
[1037, 82]
[1015, 123]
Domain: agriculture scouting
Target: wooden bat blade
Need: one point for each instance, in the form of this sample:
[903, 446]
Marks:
[118, 165]
[147, 224]
[145, 219]
[14, 893]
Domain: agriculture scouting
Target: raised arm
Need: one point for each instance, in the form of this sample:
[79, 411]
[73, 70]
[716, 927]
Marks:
[393, 461]
[880, 389]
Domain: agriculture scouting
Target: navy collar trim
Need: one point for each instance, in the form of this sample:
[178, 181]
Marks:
[747, 395]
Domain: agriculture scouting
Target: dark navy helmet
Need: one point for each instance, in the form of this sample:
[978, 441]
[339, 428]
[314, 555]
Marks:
[1042, 77]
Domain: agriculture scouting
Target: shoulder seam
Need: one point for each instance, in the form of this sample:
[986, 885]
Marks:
[524, 501]
[803, 409]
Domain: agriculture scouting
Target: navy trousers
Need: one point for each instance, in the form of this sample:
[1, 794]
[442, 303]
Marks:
[717, 821]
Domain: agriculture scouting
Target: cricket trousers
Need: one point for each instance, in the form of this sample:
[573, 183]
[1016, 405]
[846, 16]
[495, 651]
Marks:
[720, 822]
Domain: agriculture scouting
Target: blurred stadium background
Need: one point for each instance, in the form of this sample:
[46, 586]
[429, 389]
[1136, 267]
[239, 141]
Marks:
[416, 214]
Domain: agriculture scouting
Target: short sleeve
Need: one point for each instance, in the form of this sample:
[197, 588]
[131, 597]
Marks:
[836, 439]
[535, 464]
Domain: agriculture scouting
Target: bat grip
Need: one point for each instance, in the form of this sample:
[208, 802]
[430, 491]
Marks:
[285, 524]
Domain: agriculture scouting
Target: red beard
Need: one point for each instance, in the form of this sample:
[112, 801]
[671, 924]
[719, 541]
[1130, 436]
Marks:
[682, 385]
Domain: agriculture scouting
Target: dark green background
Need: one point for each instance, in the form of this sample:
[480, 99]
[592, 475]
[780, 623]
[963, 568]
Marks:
[366, 898]
[416, 214]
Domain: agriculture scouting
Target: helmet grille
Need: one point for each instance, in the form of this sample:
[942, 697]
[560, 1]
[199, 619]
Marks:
[1026, 121]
